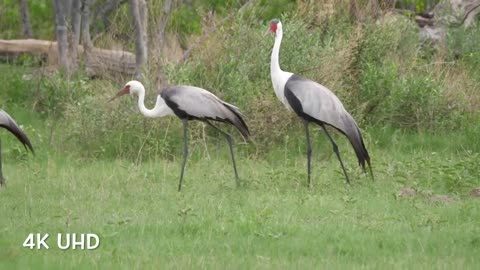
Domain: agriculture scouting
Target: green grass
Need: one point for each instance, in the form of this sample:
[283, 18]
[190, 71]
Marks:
[273, 222]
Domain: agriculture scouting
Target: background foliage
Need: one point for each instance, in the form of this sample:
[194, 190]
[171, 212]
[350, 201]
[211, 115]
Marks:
[384, 73]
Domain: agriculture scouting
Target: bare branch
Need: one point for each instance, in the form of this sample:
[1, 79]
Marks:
[469, 12]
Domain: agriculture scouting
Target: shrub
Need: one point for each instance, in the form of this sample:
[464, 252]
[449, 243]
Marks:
[379, 71]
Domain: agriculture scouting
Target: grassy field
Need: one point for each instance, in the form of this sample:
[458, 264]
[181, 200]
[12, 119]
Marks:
[272, 222]
[105, 169]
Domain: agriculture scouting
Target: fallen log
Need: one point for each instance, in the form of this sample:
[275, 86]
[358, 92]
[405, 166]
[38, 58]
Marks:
[97, 61]
[42, 48]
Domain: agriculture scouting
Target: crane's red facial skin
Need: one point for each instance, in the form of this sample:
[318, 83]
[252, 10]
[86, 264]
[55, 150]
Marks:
[273, 27]
[124, 91]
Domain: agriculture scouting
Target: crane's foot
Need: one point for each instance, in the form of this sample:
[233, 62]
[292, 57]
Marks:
[237, 182]
[2, 182]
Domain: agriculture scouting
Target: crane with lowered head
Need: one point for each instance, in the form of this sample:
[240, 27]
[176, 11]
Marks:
[7, 122]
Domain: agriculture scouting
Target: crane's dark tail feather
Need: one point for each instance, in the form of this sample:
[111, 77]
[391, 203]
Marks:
[21, 136]
[361, 151]
[238, 121]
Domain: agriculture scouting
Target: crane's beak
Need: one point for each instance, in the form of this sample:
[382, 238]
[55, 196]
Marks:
[124, 91]
[267, 32]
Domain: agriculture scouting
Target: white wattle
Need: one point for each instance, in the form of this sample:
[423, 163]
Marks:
[161, 109]
[279, 77]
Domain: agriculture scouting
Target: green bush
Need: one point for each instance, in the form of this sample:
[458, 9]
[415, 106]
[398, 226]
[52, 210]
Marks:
[463, 45]
[41, 18]
[379, 70]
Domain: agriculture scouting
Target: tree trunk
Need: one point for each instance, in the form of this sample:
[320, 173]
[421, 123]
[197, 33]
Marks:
[139, 13]
[76, 19]
[25, 15]
[162, 24]
[375, 8]
[86, 40]
[354, 11]
[61, 32]
[76, 16]
[68, 7]
[161, 40]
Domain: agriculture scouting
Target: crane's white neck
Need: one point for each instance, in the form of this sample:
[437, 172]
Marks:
[279, 77]
[161, 109]
[274, 64]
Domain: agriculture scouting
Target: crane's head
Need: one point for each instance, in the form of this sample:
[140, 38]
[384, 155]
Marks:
[275, 26]
[131, 88]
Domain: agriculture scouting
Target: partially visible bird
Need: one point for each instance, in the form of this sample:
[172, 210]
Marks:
[315, 103]
[7, 122]
[190, 103]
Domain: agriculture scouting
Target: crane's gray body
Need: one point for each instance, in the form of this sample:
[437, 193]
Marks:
[189, 102]
[314, 102]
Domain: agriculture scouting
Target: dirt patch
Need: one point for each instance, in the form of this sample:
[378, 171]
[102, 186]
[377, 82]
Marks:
[428, 196]
[444, 199]
[475, 192]
[407, 192]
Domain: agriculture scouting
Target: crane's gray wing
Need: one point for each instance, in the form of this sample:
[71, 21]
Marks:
[7, 122]
[198, 103]
[317, 103]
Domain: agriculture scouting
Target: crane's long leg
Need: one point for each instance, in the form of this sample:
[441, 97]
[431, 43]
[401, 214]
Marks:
[335, 149]
[2, 180]
[229, 141]
[309, 153]
[185, 152]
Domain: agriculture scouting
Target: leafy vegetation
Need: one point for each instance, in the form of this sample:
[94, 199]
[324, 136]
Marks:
[418, 5]
[41, 13]
[383, 72]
